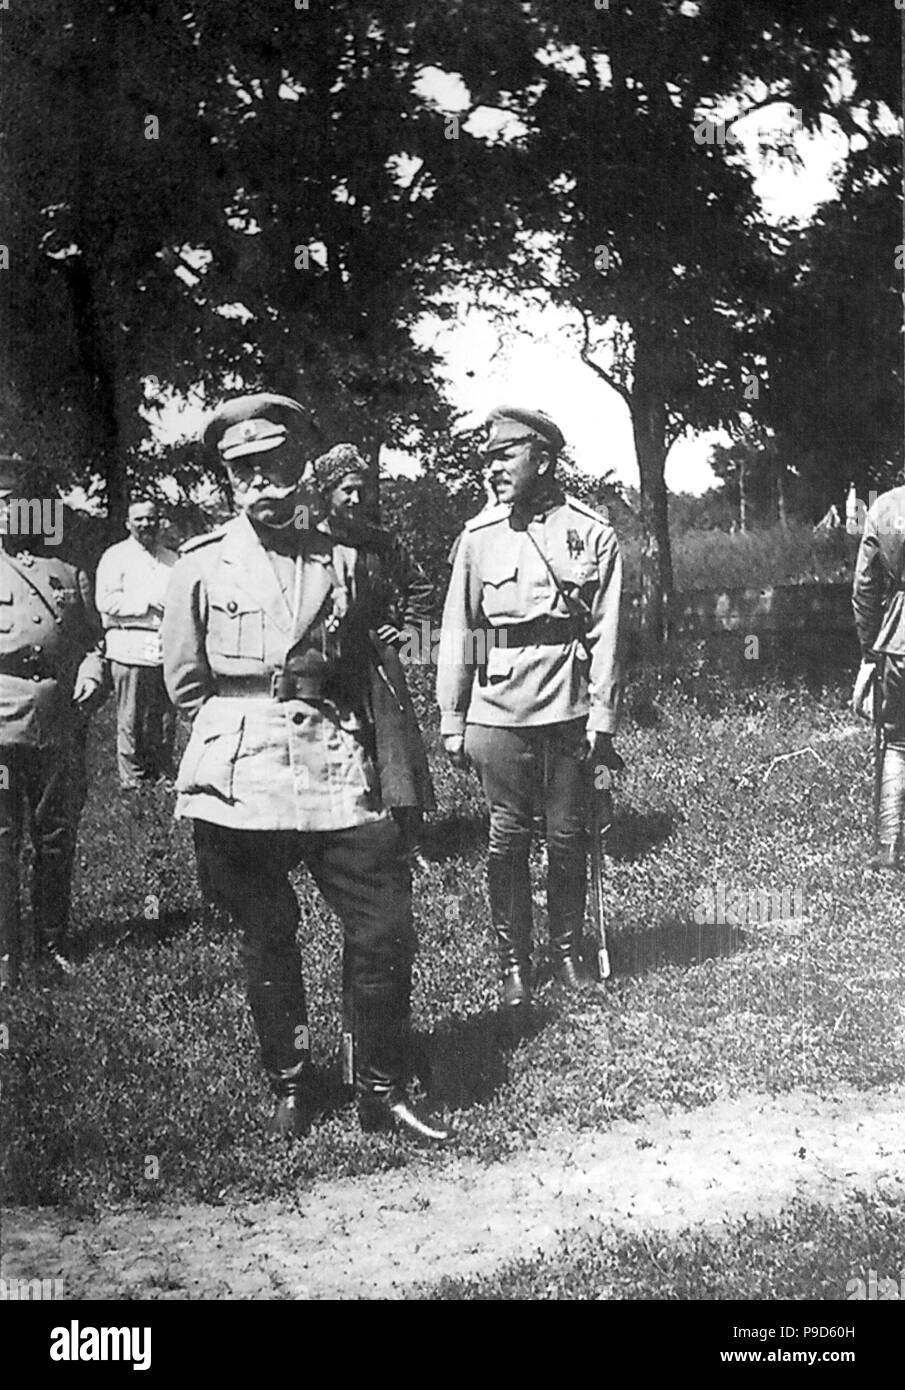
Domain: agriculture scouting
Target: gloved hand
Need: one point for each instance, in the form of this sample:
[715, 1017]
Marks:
[601, 752]
[455, 750]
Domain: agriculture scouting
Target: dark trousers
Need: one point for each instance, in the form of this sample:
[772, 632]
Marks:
[892, 699]
[42, 792]
[145, 723]
[364, 876]
[523, 770]
[891, 793]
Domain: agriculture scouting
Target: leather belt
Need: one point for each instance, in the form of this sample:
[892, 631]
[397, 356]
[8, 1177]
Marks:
[542, 632]
[281, 685]
[27, 665]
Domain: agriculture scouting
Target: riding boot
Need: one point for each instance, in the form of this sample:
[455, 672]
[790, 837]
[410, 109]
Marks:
[891, 819]
[381, 1050]
[291, 1116]
[10, 926]
[566, 888]
[280, 1015]
[510, 908]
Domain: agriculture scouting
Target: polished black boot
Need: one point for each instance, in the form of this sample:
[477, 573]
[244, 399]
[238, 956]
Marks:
[568, 972]
[510, 908]
[382, 1046]
[566, 888]
[391, 1112]
[279, 1011]
[291, 1116]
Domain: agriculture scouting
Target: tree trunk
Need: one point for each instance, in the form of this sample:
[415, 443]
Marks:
[649, 427]
[781, 511]
[100, 394]
[742, 496]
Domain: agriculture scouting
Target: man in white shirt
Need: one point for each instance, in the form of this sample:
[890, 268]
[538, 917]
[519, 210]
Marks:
[132, 580]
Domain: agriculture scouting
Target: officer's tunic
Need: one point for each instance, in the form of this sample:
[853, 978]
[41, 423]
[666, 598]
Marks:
[266, 646]
[499, 584]
[49, 637]
[48, 631]
[254, 762]
[527, 664]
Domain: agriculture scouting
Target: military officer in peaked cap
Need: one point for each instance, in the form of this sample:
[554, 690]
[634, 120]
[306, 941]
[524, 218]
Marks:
[262, 646]
[538, 576]
[51, 679]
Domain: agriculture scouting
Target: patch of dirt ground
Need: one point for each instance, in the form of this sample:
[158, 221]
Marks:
[376, 1236]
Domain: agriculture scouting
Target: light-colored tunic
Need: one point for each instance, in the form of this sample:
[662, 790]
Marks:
[499, 581]
[254, 762]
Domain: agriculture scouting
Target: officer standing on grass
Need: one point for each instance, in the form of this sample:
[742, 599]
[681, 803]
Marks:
[51, 680]
[538, 576]
[878, 600]
[264, 646]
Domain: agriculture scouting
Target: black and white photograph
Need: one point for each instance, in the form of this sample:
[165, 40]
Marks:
[452, 663]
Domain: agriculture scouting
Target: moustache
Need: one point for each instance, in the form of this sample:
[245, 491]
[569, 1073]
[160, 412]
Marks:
[270, 494]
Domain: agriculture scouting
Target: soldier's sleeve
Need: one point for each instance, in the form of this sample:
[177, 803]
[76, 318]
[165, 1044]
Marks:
[186, 672]
[605, 680]
[455, 658]
[868, 586]
[92, 664]
[116, 597]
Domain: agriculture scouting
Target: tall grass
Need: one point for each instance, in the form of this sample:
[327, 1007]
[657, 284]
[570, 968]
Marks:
[707, 559]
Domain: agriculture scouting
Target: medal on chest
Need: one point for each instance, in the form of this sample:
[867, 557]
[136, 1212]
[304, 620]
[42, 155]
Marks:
[57, 593]
[574, 544]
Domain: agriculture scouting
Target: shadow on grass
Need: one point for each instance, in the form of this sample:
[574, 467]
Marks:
[636, 833]
[467, 1060]
[671, 942]
[139, 931]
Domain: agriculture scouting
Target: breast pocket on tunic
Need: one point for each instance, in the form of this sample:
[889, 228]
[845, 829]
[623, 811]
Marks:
[499, 590]
[235, 627]
[6, 610]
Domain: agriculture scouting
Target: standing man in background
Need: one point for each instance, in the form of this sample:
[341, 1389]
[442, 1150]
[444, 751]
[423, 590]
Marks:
[132, 580]
[878, 600]
[51, 680]
[528, 682]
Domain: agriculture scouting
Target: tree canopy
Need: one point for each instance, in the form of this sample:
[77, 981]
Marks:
[208, 194]
[217, 194]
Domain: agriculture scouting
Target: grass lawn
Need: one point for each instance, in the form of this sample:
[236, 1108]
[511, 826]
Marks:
[808, 1252]
[138, 1080]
